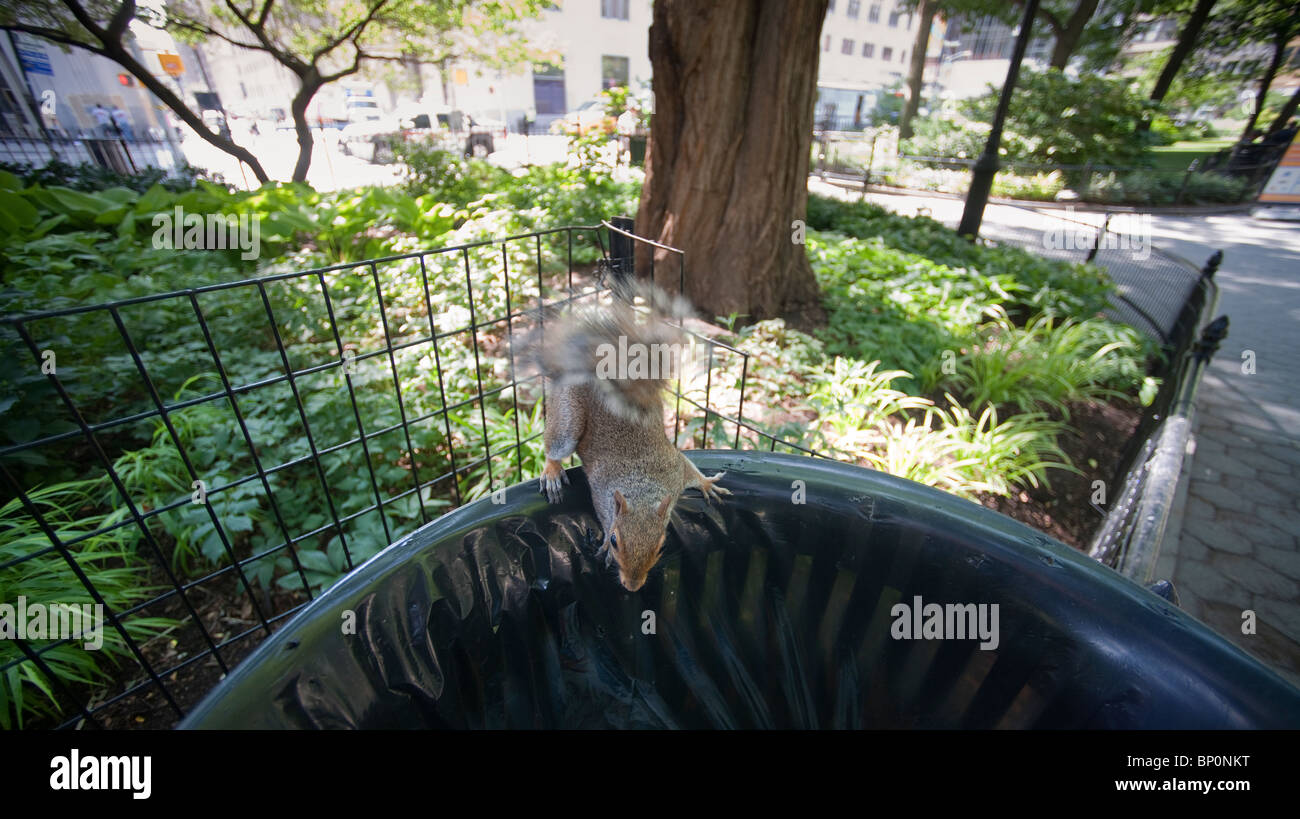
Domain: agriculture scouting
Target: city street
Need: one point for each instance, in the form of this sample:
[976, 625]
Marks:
[332, 169]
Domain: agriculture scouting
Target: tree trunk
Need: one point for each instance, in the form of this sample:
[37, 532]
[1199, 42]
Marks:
[1183, 49]
[1288, 111]
[1279, 49]
[727, 164]
[1067, 37]
[915, 77]
[302, 129]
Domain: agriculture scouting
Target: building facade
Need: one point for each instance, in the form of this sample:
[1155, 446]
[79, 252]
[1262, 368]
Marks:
[865, 42]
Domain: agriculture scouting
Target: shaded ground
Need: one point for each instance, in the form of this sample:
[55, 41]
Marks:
[228, 615]
[1064, 510]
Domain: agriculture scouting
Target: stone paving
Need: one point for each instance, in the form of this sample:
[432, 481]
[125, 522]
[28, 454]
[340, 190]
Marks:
[1237, 548]
[1233, 544]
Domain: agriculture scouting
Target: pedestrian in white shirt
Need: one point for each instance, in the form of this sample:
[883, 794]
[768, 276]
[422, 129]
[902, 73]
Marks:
[103, 121]
[123, 123]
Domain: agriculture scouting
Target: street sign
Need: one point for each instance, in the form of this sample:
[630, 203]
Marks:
[35, 62]
[1284, 185]
[171, 64]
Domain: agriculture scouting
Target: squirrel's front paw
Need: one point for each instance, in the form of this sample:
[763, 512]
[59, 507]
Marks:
[710, 490]
[553, 475]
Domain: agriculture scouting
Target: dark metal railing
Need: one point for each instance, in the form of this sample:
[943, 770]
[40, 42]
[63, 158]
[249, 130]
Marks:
[117, 153]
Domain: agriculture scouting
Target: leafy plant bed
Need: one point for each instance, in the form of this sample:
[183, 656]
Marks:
[968, 368]
[225, 611]
[987, 372]
[1098, 435]
[65, 248]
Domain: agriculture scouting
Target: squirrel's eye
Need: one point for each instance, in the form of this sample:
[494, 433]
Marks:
[613, 542]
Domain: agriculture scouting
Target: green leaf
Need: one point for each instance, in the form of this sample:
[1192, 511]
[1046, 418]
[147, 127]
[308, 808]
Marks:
[16, 213]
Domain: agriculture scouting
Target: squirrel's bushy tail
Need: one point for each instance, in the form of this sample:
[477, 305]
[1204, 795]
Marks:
[628, 349]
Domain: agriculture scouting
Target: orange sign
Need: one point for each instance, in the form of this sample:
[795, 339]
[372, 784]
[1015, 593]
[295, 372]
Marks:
[171, 63]
[1284, 184]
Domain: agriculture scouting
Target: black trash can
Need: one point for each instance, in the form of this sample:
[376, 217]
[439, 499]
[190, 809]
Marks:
[780, 607]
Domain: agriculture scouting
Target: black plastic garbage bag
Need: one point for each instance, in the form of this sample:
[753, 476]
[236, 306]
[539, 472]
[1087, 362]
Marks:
[779, 607]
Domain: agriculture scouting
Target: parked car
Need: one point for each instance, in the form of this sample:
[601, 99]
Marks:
[453, 129]
[589, 116]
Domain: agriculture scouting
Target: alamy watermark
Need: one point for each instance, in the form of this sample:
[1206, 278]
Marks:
[75, 772]
[951, 621]
[53, 621]
[637, 360]
[179, 230]
[1123, 231]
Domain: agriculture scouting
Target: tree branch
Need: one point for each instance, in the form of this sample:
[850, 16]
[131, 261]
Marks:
[264, 13]
[352, 33]
[121, 19]
[258, 28]
[1046, 15]
[88, 23]
[206, 31]
[54, 35]
[344, 72]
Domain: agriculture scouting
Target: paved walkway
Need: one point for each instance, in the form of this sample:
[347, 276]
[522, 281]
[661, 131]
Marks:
[1237, 550]
[1233, 545]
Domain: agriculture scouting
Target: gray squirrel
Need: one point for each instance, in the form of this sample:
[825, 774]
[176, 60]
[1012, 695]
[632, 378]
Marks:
[606, 367]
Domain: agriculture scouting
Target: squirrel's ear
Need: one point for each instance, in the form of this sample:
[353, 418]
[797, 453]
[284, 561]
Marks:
[620, 503]
[663, 507]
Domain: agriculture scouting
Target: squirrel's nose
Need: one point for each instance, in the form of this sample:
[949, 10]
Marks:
[631, 584]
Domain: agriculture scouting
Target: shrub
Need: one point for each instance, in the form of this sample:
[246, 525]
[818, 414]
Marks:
[111, 563]
[1046, 364]
[944, 134]
[1155, 188]
[1041, 187]
[90, 177]
[445, 175]
[1055, 119]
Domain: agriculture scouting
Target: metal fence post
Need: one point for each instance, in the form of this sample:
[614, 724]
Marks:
[871, 161]
[1191, 168]
[1087, 180]
[622, 255]
[1101, 234]
[1212, 264]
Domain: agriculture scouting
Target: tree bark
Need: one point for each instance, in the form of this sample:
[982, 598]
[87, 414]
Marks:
[1279, 50]
[1067, 36]
[1288, 111]
[302, 128]
[1186, 44]
[915, 76]
[727, 164]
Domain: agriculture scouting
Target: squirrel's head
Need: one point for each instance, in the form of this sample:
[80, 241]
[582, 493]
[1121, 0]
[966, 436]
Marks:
[637, 539]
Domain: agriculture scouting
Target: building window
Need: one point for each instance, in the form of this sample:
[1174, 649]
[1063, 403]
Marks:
[868, 50]
[873, 13]
[893, 19]
[826, 43]
[548, 89]
[846, 47]
[613, 72]
[613, 9]
[886, 53]
[854, 7]
[831, 8]
[902, 56]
